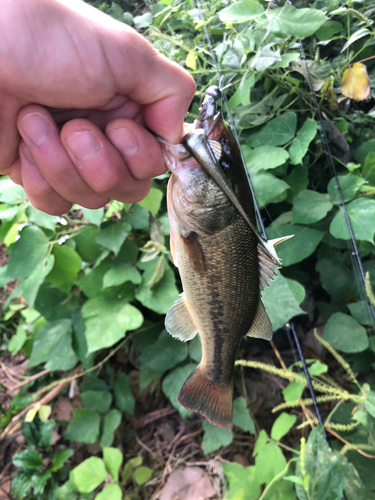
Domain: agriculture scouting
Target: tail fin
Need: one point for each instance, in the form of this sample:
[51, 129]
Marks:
[212, 401]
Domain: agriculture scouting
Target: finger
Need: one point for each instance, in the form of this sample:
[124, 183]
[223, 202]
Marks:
[37, 189]
[140, 150]
[9, 136]
[15, 172]
[157, 83]
[42, 137]
[100, 164]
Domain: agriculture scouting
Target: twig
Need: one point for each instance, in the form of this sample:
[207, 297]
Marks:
[31, 379]
[334, 433]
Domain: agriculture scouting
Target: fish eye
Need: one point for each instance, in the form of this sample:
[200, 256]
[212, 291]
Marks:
[214, 92]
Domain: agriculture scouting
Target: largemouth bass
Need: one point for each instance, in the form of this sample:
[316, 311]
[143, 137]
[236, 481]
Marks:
[222, 260]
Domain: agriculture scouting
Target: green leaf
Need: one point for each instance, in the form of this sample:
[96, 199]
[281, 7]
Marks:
[18, 339]
[124, 398]
[113, 236]
[31, 285]
[27, 252]
[137, 217]
[241, 417]
[11, 193]
[152, 201]
[368, 171]
[353, 486]
[362, 217]
[110, 424]
[142, 474]
[280, 302]
[89, 474]
[166, 353]
[276, 132]
[355, 36]
[86, 245]
[269, 462]
[255, 158]
[361, 312]
[107, 321]
[143, 20]
[112, 458]
[345, 334]
[41, 219]
[370, 403]
[84, 427]
[110, 491]
[67, 491]
[268, 188]
[28, 459]
[38, 433]
[99, 401]
[334, 278]
[282, 426]
[93, 216]
[214, 437]
[162, 295]
[298, 248]
[53, 345]
[310, 207]
[240, 12]
[349, 185]
[300, 144]
[328, 29]
[119, 273]
[65, 270]
[317, 368]
[22, 484]
[265, 57]
[293, 391]
[172, 384]
[324, 469]
[289, 21]
[129, 466]
[260, 442]
[363, 150]
[60, 457]
[242, 481]
[297, 181]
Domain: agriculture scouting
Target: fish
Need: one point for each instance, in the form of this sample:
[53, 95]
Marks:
[223, 261]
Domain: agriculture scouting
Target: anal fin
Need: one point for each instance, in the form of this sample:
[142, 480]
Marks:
[261, 327]
[178, 321]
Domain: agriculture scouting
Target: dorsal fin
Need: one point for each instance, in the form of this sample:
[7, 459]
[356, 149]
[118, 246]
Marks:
[178, 321]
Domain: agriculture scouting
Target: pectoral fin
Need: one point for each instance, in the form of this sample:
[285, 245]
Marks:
[261, 327]
[179, 322]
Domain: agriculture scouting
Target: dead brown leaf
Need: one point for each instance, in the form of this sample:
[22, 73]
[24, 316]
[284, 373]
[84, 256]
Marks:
[191, 483]
[62, 410]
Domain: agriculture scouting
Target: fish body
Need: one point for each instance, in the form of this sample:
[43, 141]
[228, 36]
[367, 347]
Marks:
[219, 257]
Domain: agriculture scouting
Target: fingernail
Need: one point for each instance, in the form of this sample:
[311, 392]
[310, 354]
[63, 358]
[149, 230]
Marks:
[27, 153]
[83, 145]
[36, 128]
[124, 141]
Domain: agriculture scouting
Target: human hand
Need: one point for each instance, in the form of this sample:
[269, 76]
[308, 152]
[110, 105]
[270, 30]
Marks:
[67, 64]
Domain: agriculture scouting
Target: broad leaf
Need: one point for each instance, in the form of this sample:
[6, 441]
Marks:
[110, 491]
[166, 353]
[362, 217]
[107, 321]
[99, 401]
[65, 270]
[280, 302]
[243, 481]
[84, 427]
[268, 188]
[241, 416]
[289, 21]
[215, 437]
[310, 207]
[27, 252]
[28, 459]
[112, 458]
[264, 158]
[41, 219]
[89, 474]
[345, 334]
[110, 423]
[349, 185]
[162, 295]
[282, 425]
[113, 236]
[152, 201]
[276, 132]
[301, 143]
[240, 12]
[93, 216]
[124, 398]
[119, 273]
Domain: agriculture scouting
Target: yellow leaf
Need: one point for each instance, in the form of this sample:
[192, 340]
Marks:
[30, 415]
[190, 60]
[44, 412]
[355, 82]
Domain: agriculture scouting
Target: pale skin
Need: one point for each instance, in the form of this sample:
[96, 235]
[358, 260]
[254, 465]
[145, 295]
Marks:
[82, 97]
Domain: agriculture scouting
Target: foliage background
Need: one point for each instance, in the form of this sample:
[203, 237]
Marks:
[76, 286]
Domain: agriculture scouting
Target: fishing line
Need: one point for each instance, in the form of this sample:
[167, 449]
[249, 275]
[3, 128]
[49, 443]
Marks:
[354, 252]
[290, 325]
